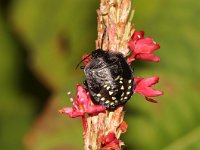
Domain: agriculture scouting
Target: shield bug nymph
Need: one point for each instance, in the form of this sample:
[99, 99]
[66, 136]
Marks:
[109, 78]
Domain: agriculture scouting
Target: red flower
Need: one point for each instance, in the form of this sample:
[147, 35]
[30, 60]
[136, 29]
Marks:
[144, 87]
[110, 142]
[82, 104]
[142, 48]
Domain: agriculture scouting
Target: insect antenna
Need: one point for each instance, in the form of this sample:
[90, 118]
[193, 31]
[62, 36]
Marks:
[82, 61]
[101, 45]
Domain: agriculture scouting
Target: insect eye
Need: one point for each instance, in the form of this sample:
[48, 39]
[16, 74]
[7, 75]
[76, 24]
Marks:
[111, 60]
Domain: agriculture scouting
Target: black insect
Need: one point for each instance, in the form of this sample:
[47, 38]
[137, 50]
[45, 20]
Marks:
[109, 78]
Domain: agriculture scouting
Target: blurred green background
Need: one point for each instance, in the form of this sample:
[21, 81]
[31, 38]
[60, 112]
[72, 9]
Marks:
[41, 41]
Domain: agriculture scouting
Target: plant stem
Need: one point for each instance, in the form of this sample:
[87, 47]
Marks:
[113, 20]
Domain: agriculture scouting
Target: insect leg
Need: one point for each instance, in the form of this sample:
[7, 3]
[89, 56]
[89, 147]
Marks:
[82, 67]
[85, 83]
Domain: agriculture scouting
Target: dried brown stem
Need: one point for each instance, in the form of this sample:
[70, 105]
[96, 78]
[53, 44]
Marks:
[115, 25]
[113, 16]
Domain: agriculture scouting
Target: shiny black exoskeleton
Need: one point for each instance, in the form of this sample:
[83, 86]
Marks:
[109, 78]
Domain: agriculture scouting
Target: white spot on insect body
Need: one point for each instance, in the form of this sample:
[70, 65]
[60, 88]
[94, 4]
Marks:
[112, 103]
[122, 94]
[129, 81]
[128, 92]
[107, 101]
[129, 87]
[120, 82]
[110, 92]
[108, 82]
[125, 97]
[122, 87]
[121, 78]
[99, 95]
[103, 99]
[117, 78]
[108, 87]
[113, 98]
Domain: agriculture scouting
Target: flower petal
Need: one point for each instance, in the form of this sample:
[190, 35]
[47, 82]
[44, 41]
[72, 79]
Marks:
[131, 58]
[144, 87]
[142, 48]
[82, 96]
[146, 45]
[148, 57]
[110, 142]
[146, 82]
[137, 35]
[151, 100]
[137, 80]
[148, 92]
[71, 112]
[131, 45]
[108, 138]
[82, 104]
[95, 109]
